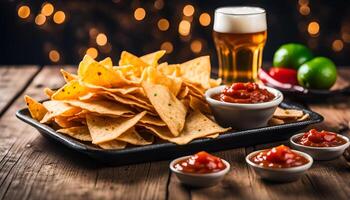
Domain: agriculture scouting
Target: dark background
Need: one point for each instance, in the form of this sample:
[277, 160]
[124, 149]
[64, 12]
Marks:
[25, 42]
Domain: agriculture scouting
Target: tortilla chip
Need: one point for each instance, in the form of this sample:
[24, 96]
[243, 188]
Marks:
[80, 132]
[275, 121]
[131, 136]
[183, 92]
[87, 60]
[127, 101]
[215, 82]
[102, 107]
[68, 76]
[114, 144]
[150, 74]
[71, 90]
[148, 119]
[138, 64]
[213, 136]
[66, 122]
[152, 58]
[169, 108]
[197, 126]
[58, 108]
[36, 109]
[104, 129]
[48, 92]
[198, 104]
[107, 62]
[287, 113]
[197, 71]
[304, 117]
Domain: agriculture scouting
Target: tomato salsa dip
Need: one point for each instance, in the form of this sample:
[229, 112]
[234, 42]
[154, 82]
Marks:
[279, 157]
[200, 163]
[248, 93]
[314, 138]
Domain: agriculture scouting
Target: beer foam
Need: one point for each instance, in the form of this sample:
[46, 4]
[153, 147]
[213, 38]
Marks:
[239, 20]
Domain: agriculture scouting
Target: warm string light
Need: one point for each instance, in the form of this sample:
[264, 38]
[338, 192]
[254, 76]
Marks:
[337, 45]
[159, 4]
[54, 56]
[304, 10]
[204, 19]
[59, 17]
[313, 29]
[163, 24]
[23, 12]
[167, 46]
[184, 27]
[92, 52]
[188, 10]
[196, 46]
[40, 19]
[139, 14]
[101, 39]
[303, 2]
[47, 9]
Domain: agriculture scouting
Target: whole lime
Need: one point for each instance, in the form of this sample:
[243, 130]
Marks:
[318, 73]
[291, 55]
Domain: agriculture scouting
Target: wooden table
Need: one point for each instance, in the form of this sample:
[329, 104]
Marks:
[31, 167]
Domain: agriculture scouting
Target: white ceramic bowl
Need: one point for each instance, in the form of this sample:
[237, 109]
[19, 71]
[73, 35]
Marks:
[320, 153]
[280, 174]
[199, 180]
[242, 116]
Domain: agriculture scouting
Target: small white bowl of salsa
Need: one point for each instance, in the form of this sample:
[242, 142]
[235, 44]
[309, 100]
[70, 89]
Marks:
[200, 170]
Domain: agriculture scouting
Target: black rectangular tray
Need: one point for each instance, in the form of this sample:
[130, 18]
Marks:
[164, 151]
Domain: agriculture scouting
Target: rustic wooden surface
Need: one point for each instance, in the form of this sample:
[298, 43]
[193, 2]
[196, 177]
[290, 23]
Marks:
[31, 167]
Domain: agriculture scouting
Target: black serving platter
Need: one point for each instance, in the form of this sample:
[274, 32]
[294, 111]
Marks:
[165, 151]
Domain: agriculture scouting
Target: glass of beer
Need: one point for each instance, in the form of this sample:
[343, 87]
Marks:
[239, 35]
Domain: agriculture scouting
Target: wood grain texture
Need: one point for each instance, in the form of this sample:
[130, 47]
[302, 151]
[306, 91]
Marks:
[12, 81]
[33, 167]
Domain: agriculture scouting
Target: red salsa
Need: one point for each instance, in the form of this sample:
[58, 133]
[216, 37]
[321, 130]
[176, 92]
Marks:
[201, 163]
[244, 93]
[279, 157]
[314, 138]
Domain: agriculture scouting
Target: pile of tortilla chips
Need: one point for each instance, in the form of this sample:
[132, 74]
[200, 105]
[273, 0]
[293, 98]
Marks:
[283, 116]
[138, 102]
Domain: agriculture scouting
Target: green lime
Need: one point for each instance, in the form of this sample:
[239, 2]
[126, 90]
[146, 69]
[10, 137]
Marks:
[318, 73]
[291, 55]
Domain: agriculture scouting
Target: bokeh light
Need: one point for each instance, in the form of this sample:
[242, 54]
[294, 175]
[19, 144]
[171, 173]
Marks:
[313, 28]
[337, 45]
[167, 46]
[23, 12]
[92, 52]
[304, 10]
[163, 24]
[303, 2]
[40, 19]
[139, 14]
[159, 4]
[188, 10]
[101, 39]
[204, 19]
[196, 46]
[59, 17]
[47, 9]
[184, 27]
[54, 56]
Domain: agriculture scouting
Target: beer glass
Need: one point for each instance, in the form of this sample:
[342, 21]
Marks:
[239, 35]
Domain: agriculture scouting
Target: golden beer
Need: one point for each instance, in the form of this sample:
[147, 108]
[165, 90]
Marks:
[239, 35]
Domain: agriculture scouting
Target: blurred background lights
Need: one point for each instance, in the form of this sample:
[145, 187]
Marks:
[139, 14]
[93, 32]
[23, 12]
[159, 4]
[313, 28]
[54, 56]
[92, 52]
[167, 46]
[304, 10]
[337, 45]
[204, 19]
[101, 39]
[303, 2]
[196, 46]
[40, 19]
[188, 10]
[163, 24]
[47, 9]
[184, 27]
[59, 17]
